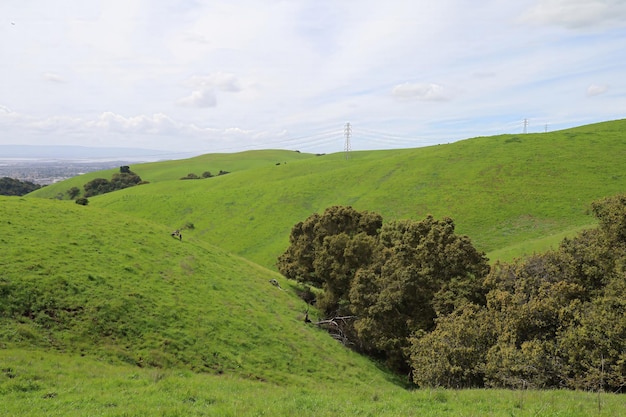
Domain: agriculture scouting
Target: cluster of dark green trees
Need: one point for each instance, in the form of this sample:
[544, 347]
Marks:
[124, 179]
[424, 300]
[14, 187]
[205, 174]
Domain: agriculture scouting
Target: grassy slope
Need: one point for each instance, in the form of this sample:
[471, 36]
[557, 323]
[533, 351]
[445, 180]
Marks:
[189, 306]
[154, 172]
[511, 194]
[102, 284]
[34, 384]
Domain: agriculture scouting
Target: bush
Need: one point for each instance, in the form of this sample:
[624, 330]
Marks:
[190, 176]
[73, 192]
[558, 319]
[124, 179]
[82, 201]
[455, 353]
[97, 186]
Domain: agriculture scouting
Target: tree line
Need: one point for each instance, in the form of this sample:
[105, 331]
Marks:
[422, 299]
[120, 180]
[14, 187]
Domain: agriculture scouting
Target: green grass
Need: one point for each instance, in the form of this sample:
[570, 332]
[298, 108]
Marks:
[502, 191]
[36, 383]
[103, 313]
[88, 281]
[155, 172]
[540, 245]
[123, 320]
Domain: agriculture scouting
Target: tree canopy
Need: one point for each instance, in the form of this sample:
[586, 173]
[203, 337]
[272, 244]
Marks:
[123, 179]
[14, 187]
[392, 278]
[556, 319]
[424, 300]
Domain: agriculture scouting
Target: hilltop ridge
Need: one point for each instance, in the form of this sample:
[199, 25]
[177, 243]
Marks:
[501, 190]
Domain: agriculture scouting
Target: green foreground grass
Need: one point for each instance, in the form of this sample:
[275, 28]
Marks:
[88, 281]
[35, 383]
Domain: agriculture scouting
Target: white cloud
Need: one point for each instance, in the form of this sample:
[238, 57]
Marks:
[139, 70]
[156, 131]
[597, 89]
[220, 80]
[52, 77]
[574, 14]
[156, 124]
[202, 98]
[205, 87]
[421, 91]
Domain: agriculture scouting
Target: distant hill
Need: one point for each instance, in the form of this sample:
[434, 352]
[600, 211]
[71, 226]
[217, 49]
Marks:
[79, 152]
[512, 194]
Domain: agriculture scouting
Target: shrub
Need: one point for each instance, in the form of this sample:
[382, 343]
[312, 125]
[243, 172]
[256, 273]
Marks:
[190, 176]
[558, 319]
[73, 192]
[124, 179]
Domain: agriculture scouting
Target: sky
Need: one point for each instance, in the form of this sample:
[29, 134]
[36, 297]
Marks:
[232, 75]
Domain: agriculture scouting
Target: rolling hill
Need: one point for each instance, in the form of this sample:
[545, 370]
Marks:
[512, 194]
[88, 281]
[104, 313]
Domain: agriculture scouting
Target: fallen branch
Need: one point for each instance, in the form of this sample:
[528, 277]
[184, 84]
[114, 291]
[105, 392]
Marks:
[334, 328]
[333, 321]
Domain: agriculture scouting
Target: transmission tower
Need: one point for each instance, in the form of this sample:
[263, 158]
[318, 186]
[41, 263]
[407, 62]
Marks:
[347, 132]
[525, 125]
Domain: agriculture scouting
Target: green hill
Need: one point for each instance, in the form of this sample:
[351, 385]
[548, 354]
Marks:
[512, 194]
[87, 281]
[104, 313]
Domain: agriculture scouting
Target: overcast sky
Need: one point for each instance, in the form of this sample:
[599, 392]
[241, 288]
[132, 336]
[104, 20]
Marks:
[231, 75]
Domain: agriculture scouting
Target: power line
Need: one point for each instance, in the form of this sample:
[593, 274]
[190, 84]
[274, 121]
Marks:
[329, 137]
[307, 139]
[387, 135]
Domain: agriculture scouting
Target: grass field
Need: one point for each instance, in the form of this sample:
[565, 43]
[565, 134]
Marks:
[502, 191]
[88, 281]
[35, 383]
[103, 313]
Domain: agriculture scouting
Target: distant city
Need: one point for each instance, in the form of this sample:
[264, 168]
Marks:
[45, 165]
[44, 172]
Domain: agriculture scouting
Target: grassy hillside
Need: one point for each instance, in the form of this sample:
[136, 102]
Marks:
[87, 281]
[102, 312]
[35, 383]
[511, 194]
[155, 172]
